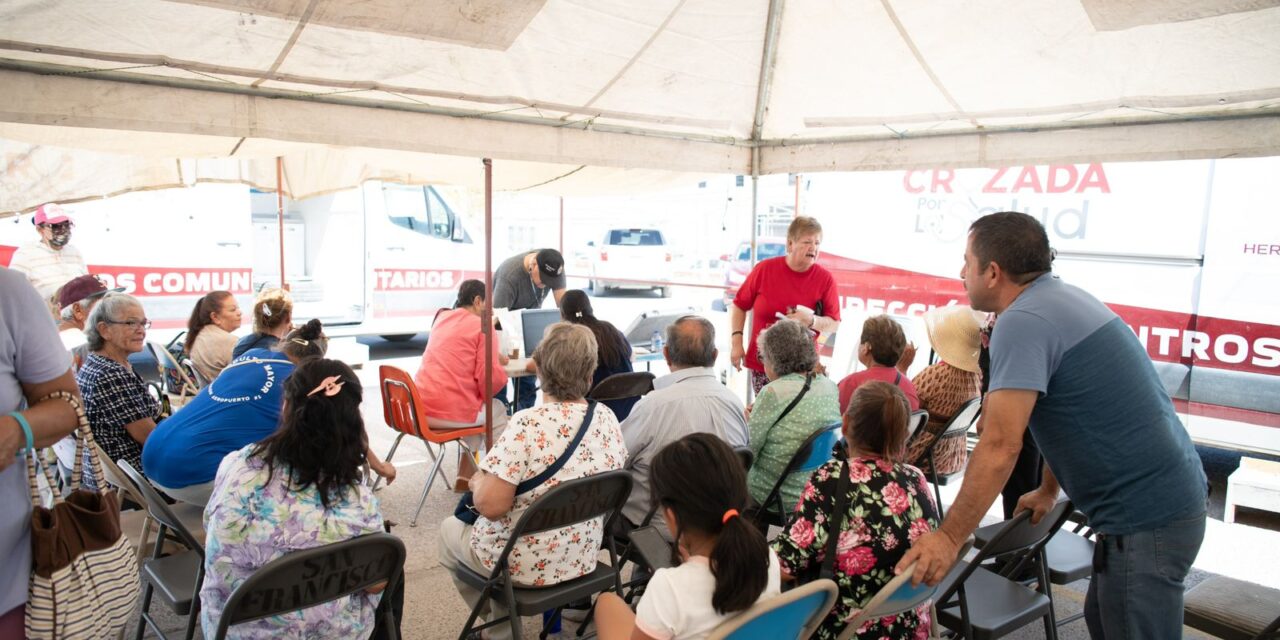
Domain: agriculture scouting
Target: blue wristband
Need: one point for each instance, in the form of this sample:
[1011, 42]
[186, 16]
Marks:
[26, 429]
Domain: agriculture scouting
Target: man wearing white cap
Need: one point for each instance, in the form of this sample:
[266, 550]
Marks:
[52, 261]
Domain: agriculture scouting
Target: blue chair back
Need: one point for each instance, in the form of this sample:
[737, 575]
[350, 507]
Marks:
[819, 448]
[793, 615]
[896, 596]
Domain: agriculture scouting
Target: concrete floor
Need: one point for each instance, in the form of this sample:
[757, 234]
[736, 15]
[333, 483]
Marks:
[433, 608]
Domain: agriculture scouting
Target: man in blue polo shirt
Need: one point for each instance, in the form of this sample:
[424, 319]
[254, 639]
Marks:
[1066, 367]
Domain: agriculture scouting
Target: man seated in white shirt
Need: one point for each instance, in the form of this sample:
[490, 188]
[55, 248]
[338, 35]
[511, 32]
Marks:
[688, 400]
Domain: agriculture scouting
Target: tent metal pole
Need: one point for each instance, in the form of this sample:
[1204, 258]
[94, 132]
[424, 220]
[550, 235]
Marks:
[486, 317]
[795, 211]
[280, 216]
[755, 220]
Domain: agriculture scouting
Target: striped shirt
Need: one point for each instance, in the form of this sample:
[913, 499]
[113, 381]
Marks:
[47, 268]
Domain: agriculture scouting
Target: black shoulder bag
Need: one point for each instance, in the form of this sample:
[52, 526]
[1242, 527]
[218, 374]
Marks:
[835, 524]
[466, 509]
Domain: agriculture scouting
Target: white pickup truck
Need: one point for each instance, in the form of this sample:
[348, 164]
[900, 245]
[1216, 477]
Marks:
[627, 256]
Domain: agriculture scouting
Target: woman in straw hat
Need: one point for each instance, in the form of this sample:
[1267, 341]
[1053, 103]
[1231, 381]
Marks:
[945, 386]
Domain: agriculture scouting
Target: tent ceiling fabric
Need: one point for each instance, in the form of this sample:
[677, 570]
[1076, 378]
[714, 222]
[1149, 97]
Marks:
[658, 86]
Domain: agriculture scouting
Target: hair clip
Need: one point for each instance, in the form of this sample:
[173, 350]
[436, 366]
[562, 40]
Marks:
[299, 341]
[266, 311]
[330, 386]
[577, 314]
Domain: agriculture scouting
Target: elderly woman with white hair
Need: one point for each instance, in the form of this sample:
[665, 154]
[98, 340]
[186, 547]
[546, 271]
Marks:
[793, 405]
[120, 410]
[535, 439]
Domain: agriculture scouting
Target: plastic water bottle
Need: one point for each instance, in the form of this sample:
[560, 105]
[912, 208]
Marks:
[655, 342]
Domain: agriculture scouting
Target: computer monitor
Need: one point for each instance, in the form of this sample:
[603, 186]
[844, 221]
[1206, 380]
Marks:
[534, 323]
[640, 332]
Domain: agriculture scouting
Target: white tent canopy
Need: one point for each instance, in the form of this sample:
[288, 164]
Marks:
[578, 96]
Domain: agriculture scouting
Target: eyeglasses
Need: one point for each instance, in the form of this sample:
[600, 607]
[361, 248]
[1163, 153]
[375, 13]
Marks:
[61, 227]
[132, 324]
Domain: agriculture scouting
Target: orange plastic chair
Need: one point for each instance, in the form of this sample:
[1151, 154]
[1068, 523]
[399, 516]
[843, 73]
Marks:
[402, 411]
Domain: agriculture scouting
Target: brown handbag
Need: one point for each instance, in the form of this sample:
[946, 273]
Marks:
[84, 576]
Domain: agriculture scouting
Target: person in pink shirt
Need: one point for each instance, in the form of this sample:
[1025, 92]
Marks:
[880, 349]
[793, 285]
[451, 376]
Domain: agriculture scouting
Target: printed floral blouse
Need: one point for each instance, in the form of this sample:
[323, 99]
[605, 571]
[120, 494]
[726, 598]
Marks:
[251, 521]
[534, 439]
[890, 506]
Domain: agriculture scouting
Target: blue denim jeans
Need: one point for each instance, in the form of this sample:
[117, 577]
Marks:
[1138, 581]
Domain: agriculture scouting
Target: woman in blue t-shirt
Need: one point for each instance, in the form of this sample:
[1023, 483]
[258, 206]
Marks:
[241, 406]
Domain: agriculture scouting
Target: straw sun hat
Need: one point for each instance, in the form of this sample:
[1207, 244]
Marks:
[953, 332]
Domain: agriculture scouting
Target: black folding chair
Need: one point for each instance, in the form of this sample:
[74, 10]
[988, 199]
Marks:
[177, 578]
[1069, 554]
[620, 386]
[292, 581]
[979, 603]
[596, 496]
[956, 427]
[814, 452]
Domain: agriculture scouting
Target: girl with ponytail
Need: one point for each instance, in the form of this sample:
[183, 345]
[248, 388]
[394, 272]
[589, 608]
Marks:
[701, 489]
[886, 506]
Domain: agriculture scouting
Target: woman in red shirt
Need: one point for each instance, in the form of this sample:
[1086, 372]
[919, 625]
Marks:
[782, 286]
[880, 350]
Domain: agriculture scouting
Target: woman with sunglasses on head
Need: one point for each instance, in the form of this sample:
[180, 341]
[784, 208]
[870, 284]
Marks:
[209, 340]
[299, 488]
[726, 567]
[121, 412]
[272, 320]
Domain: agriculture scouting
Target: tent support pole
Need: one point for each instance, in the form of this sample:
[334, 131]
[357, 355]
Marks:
[280, 216]
[486, 317]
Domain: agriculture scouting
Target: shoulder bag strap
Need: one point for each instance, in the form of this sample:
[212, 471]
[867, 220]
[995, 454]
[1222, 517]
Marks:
[835, 523]
[534, 482]
[808, 378]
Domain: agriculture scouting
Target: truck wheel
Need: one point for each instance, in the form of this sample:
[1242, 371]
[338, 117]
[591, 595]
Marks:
[398, 337]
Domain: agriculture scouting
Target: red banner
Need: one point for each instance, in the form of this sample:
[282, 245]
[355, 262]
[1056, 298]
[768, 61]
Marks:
[175, 281]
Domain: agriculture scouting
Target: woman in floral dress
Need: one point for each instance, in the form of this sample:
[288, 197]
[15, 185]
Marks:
[889, 507]
[534, 440]
[298, 489]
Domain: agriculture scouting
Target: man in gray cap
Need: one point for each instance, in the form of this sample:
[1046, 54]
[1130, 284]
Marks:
[522, 282]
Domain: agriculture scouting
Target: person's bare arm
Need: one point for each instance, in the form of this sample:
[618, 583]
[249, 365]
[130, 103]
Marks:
[737, 323]
[557, 294]
[908, 357]
[140, 429]
[493, 496]
[50, 421]
[1040, 500]
[1006, 412]
[384, 469]
[821, 324]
